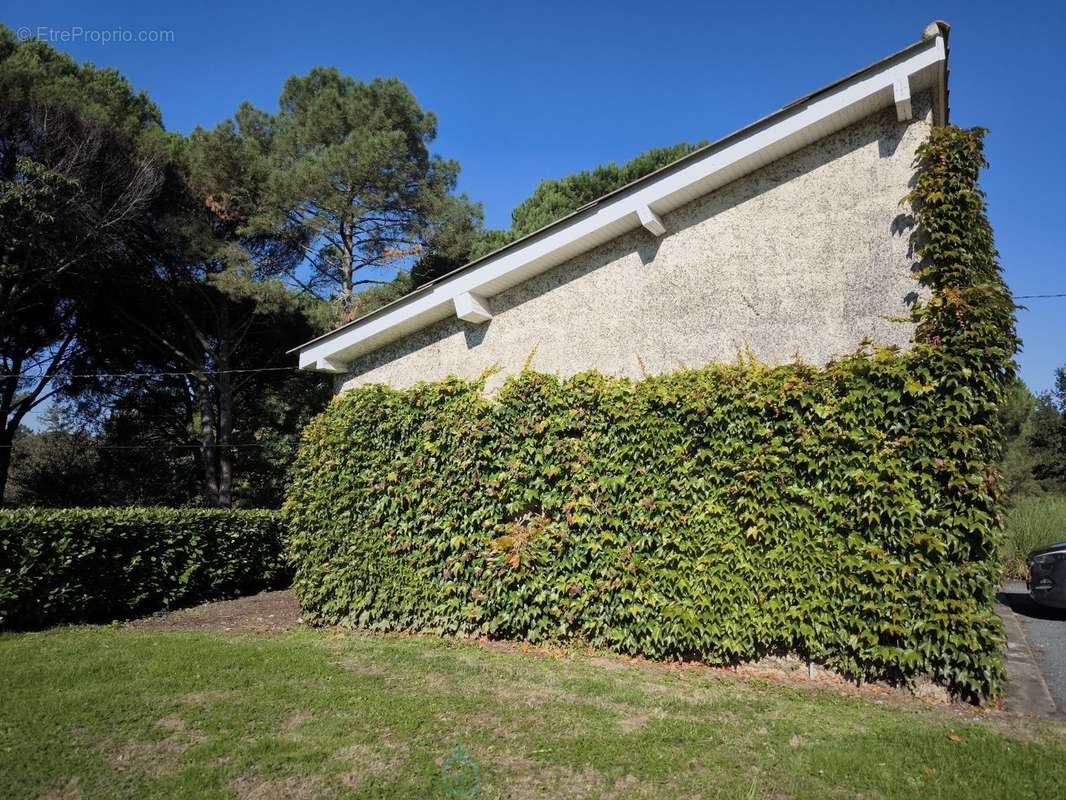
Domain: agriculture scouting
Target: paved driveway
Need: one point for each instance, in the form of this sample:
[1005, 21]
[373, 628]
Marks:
[1045, 630]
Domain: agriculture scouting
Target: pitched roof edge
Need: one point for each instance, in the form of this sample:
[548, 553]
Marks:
[934, 38]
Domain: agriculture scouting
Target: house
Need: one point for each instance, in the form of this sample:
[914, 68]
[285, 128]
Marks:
[785, 239]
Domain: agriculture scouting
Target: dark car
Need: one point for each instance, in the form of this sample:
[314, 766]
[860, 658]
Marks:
[1047, 575]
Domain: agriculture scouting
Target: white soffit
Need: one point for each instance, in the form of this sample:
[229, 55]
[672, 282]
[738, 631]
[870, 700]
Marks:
[464, 293]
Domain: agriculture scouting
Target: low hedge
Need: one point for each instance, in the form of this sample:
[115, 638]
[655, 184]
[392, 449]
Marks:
[102, 564]
[847, 513]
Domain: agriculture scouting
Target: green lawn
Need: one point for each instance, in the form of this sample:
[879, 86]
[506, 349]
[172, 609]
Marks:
[123, 712]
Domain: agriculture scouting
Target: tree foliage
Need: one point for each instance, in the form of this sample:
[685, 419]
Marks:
[1047, 438]
[56, 467]
[159, 269]
[141, 289]
[205, 308]
[1018, 461]
[81, 169]
[556, 198]
[551, 201]
[353, 170]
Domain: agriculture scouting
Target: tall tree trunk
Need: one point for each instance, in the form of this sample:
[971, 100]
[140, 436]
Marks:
[8, 387]
[208, 444]
[7, 440]
[347, 278]
[225, 450]
[347, 284]
[225, 419]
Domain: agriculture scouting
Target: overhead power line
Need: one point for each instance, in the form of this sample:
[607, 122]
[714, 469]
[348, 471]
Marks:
[185, 373]
[158, 374]
[161, 446]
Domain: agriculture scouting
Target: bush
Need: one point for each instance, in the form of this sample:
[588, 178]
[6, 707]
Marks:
[102, 564]
[846, 513]
[1031, 523]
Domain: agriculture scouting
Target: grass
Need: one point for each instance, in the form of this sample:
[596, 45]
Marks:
[1032, 522]
[113, 712]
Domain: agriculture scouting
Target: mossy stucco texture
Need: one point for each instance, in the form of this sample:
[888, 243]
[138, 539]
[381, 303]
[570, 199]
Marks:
[803, 259]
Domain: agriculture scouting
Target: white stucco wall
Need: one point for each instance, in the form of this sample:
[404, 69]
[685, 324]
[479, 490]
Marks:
[806, 258]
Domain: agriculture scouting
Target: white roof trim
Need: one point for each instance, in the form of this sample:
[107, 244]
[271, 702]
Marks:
[465, 292]
[651, 221]
[472, 307]
[901, 88]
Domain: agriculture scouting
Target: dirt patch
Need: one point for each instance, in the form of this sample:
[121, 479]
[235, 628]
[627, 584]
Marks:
[365, 763]
[363, 668]
[158, 757]
[524, 778]
[68, 791]
[293, 788]
[205, 698]
[491, 724]
[609, 663]
[535, 695]
[634, 723]
[295, 721]
[630, 719]
[428, 681]
[266, 612]
[177, 725]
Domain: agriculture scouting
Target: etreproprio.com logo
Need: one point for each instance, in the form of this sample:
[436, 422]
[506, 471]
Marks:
[76, 34]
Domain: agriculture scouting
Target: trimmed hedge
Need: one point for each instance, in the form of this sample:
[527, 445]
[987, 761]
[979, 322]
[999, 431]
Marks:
[848, 514]
[102, 564]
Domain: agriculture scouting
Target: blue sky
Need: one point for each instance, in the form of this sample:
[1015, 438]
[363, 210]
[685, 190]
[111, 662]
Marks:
[539, 90]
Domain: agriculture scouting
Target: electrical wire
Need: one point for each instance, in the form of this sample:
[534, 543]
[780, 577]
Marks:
[297, 369]
[160, 446]
[159, 374]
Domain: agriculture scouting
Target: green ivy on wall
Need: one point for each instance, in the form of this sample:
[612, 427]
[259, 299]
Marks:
[847, 513]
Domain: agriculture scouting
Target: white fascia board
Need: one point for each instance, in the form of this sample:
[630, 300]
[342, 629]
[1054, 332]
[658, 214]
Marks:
[807, 121]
